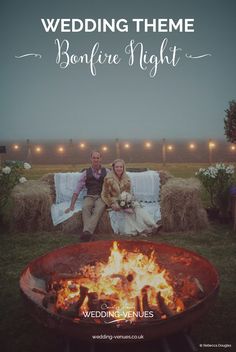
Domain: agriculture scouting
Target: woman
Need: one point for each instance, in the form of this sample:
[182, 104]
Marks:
[130, 221]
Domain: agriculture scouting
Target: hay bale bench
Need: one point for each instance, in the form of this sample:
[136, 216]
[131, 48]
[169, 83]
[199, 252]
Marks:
[180, 201]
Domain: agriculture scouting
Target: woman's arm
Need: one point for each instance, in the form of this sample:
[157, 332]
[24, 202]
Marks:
[127, 186]
[107, 194]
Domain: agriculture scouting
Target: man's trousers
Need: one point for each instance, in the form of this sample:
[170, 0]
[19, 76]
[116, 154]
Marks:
[93, 207]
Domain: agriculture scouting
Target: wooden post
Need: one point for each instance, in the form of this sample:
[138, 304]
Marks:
[210, 151]
[3, 150]
[163, 151]
[29, 151]
[117, 148]
[70, 151]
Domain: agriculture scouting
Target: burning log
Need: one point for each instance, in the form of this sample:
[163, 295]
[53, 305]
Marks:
[49, 298]
[93, 302]
[137, 306]
[163, 308]
[73, 309]
[145, 298]
[145, 304]
[83, 293]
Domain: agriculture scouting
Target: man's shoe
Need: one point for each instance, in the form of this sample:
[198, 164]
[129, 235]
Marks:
[86, 236]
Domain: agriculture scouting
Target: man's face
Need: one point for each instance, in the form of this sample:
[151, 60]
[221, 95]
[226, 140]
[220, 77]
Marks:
[96, 160]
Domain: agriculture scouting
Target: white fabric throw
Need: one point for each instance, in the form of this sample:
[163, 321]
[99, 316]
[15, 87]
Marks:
[145, 187]
[65, 185]
[146, 190]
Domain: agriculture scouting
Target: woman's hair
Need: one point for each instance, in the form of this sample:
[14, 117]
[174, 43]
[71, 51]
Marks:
[118, 161]
[124, 174]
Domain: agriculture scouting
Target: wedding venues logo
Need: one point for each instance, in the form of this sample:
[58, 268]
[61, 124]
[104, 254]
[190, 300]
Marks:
[117, 315]
[134, 52]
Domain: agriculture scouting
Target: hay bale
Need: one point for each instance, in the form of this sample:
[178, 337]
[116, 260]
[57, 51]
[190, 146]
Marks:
[31, 207]
[75, 224]
[104, 225]
[164, 176]
[72, 225]
[181, 205]
[49, 178]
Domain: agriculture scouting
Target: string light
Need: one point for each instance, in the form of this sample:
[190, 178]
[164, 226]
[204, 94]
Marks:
[38, 149]
[192, 146]
[211, 145]
[61, 149]
[82, 145]
[148, 145]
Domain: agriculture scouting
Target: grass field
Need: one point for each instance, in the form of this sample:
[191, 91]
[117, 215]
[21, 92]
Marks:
[176, 169]
[20, 332]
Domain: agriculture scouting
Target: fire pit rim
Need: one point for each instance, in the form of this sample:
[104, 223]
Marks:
[127, 325]
[124, 241]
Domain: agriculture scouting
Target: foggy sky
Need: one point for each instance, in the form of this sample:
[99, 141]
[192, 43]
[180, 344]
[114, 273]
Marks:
[40, 100]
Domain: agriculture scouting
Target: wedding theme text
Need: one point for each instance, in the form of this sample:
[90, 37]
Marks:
[120, 25]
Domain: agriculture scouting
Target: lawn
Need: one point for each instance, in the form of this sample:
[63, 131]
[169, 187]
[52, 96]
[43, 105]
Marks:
[20, 333]
[176, 169]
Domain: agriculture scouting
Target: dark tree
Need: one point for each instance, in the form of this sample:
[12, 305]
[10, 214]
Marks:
[230, 122]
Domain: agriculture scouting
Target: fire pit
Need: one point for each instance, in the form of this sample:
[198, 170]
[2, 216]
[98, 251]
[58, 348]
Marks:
[124, 288]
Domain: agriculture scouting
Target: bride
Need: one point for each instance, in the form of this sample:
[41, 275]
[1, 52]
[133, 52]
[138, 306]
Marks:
[130, 221]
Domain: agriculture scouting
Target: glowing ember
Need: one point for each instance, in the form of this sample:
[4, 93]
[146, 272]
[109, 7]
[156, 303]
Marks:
[130, 286]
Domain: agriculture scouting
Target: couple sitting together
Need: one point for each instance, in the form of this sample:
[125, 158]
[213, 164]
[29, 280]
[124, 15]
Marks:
[110, 189]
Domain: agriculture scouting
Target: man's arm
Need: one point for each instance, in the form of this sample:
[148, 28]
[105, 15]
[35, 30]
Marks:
[72, 203]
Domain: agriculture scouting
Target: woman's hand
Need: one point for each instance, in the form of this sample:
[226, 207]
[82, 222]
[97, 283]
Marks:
[115, 207]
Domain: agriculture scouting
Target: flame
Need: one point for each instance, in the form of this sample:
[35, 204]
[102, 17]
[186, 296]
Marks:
[123, 281]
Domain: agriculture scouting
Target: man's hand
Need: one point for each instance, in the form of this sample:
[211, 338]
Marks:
[69, 209]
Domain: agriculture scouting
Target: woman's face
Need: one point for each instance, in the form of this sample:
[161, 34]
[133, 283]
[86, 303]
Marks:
[119, 168]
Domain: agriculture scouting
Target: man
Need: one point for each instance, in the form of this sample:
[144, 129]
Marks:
[93, 206]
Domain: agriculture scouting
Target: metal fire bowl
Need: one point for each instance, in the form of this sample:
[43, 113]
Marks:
[73, 257]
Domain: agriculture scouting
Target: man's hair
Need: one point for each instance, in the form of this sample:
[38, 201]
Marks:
[95, 151]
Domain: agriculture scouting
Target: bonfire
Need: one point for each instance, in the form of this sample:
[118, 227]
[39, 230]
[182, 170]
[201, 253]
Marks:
[130, 286]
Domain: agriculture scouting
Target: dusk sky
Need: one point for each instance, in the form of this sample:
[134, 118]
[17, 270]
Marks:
[40, 100]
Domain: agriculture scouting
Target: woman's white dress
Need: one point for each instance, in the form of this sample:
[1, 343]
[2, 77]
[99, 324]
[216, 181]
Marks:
[139, 222]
